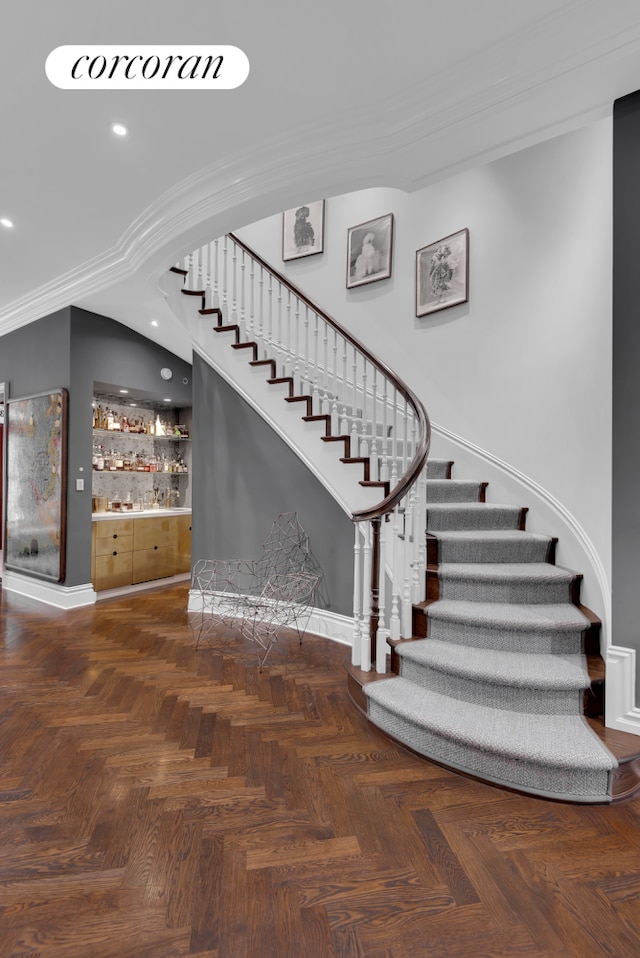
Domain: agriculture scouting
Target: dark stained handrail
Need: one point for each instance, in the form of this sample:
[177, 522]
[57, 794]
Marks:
[424, 427]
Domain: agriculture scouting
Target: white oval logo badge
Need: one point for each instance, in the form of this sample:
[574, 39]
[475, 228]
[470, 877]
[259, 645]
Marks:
[147, 67]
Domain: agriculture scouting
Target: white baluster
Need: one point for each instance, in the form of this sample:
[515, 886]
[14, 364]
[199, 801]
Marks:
[242, 321]
[364, 440]
[406, 616]
[289, 366]
[316, 378]
[356, 648]
[384, 466]
[422, 534]
[344, 422]
[365, 639]
[208, 293]
[234, 286]
[354, 411]
[200, 281]
[225, 289]
[259, 334]
[396, 552]
[269, 339]
[335, 419]
[373, 452]
[382, 632]
[215, 299]
[252, 301]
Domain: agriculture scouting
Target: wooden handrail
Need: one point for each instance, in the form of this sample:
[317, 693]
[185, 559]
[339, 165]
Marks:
[424, 427]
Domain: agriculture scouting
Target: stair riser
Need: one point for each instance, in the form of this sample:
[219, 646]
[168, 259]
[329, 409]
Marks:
[447, 490]
[481, 551]
[448, 520]
[531, 700]
[522, 593]
[537, 779]
[502, 640]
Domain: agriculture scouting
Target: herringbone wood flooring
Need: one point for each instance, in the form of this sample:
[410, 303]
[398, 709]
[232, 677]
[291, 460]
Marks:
[158, 802]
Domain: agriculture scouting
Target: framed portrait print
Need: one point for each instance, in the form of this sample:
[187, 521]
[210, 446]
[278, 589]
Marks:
[303, 231]
[442, 273]
[36, 493]
[369, 251]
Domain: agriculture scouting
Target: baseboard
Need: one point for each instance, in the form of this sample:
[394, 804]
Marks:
[620, 709]
[328, 625]
[51, 593]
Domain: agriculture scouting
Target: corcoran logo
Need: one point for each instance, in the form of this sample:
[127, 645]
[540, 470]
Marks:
[147, 67]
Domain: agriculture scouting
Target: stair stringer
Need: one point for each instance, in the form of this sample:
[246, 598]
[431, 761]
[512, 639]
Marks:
[250, 382]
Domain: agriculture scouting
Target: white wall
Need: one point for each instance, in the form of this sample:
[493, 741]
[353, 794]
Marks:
[523, 370]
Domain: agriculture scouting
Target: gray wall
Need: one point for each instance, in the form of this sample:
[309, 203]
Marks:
[245, 475]
[626, 378]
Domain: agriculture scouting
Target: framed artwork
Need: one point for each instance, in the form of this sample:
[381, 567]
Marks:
[369, 250]
[442, 274]
[303, 231]
[36, 477]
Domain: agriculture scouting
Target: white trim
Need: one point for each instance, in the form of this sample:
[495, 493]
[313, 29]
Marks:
[323, 623]
[620, 709]
[60, 596]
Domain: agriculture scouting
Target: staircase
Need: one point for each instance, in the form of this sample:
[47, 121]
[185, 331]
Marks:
[495, 665]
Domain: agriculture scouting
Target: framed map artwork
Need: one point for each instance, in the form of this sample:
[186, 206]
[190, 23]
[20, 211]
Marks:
[36, 490]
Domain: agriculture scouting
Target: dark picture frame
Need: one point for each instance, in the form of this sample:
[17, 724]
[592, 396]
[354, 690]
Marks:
[442, 273]
[369, 251]
[36, 485]
[303, 231]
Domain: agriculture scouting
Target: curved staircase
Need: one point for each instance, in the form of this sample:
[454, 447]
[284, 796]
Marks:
[499, 675]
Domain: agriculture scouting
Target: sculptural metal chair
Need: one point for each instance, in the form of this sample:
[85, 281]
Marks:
[263, 596]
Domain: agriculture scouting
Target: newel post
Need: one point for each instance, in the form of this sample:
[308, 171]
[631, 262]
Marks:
[375, 586]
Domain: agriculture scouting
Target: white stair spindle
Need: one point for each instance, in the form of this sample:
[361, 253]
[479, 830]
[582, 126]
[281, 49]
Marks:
[365, 639]
[396, 551]
[356, 649]
[215, 299]
[242, 320]
[382, 632]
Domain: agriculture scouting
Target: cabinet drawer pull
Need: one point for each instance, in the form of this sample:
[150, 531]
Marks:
[155, 547]
[115, 552]
[115, 535]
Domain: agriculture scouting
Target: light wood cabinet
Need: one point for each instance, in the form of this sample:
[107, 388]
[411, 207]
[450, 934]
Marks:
[112, 553]
[183, 554]
[129, 551]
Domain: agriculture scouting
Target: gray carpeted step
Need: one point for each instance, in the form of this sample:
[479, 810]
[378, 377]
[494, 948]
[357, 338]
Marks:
[558, 629]
[473, 515]
[497, 545]
[454, 490]
[556, 756]
[542, 684]
[439, 468]
[525, 582]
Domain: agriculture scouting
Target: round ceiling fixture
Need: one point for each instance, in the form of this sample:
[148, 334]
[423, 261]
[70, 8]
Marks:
[166, 373]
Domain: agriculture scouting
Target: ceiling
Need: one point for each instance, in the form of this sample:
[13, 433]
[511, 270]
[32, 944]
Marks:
[341, 95]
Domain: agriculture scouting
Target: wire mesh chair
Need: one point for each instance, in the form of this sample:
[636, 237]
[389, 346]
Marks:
[260, 597]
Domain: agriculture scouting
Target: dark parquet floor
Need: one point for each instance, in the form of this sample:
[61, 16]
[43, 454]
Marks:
[157, 802]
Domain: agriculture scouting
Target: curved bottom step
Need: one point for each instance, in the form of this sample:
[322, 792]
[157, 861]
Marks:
[554, 756]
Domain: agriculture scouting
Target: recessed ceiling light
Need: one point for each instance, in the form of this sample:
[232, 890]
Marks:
[124, 390]
[166, 400]
[6, 222]
[119, 129]
[154, 322]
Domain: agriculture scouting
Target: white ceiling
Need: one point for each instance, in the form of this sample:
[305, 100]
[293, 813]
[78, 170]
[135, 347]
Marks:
[341, 95]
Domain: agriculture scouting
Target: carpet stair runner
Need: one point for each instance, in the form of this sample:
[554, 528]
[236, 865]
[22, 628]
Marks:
[496, 686]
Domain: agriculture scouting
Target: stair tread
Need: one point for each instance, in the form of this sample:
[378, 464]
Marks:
[562, 741]
[547, 617]
[505, 571]
[489, 535]
[535, 670]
